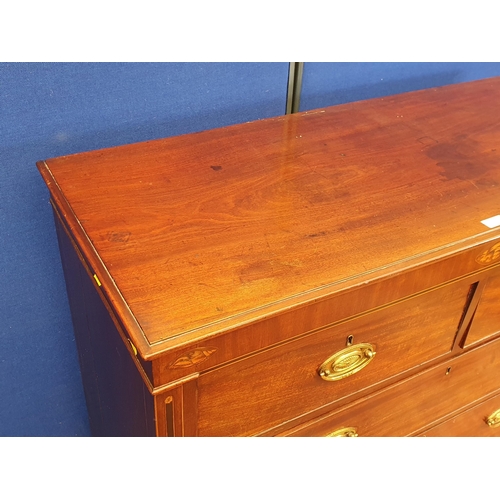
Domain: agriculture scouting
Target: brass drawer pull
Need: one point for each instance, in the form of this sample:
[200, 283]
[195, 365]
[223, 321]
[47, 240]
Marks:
[345, 432]
[346, 362]
[494, 419]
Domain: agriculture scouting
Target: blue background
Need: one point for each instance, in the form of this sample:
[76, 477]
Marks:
[55, 109]
[327, 84]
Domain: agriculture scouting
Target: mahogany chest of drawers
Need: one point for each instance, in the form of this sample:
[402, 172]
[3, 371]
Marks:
[327, 273]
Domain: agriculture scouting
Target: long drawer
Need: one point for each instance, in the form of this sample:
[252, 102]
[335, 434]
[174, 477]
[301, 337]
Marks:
[404, 408]
[259, 392]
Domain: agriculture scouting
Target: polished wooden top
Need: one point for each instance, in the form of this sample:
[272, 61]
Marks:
[198, 234]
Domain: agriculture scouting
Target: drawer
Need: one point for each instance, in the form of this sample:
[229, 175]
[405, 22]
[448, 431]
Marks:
[486, 319]
[483, 420]
[260, 392]
[408, 406]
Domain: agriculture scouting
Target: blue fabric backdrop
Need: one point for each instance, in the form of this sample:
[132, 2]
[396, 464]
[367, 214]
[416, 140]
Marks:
[327, 84]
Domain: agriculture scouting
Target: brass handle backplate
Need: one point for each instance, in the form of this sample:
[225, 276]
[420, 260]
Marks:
[346, 362]
[344, 432]
[494, 419]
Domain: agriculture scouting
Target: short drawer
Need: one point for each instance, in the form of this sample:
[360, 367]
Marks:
[486, 320]
[259, 392]
[406, 407]
[483, 420]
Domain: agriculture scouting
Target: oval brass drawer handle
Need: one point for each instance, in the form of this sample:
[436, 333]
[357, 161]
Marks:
[346, 362]
[344, 432]
[494, 419]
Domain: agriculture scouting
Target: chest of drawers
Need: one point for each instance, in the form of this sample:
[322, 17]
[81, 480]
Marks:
[333, 272]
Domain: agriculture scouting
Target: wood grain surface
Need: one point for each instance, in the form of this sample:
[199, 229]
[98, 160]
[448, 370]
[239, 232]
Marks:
[196, 235]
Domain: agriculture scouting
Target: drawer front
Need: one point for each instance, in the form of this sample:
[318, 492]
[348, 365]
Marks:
[257, 393]
[483, 420]
[408, 406]
[486, 320]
